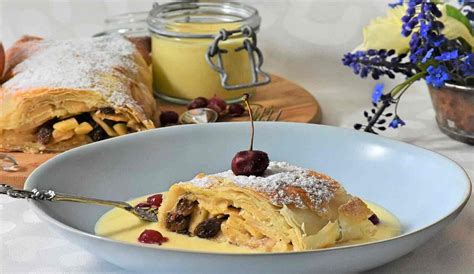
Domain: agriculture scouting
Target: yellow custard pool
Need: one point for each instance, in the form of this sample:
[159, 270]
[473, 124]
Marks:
[120, 225]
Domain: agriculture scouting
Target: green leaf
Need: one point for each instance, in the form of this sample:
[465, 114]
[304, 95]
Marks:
[457, 14]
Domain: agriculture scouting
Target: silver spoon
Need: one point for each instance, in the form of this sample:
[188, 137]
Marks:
[148, 214]
[199, 116]
[8, 163]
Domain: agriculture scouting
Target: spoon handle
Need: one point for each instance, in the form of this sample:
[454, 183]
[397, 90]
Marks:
[50, 195]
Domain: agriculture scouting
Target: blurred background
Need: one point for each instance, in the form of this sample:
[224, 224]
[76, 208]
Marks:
[304, 41]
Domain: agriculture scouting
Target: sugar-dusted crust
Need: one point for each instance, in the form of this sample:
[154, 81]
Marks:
[286, 185]
[18, 52]
[355, 209]
[288, 209]
[47, 79]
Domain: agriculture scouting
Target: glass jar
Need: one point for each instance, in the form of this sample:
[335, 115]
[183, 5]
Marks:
[205, 49]
[128, 24]
[132, 26]
[454, 107]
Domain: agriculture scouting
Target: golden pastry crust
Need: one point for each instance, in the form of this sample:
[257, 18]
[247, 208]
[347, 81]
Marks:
[18, 52]
[289, 209]
[298, 193]
[47, 80]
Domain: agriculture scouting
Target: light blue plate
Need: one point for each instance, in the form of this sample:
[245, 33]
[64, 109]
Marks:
[423, 189]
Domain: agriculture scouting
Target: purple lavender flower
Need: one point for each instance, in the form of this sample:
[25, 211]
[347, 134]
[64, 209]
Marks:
[449, 55]
[378, 92]
[377, 63]
[438, 40]
[418, 54]
[396, 122]
[467, 66]
[445, 59]
[429, 28]
[428, 12]
[437, 76]
[427, 55]
[425, 28]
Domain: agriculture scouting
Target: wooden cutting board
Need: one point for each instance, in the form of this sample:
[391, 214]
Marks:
[296, 103]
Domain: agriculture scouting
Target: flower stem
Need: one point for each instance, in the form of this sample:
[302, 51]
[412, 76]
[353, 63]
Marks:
[403, 86]
[376, 117]
[399, 89]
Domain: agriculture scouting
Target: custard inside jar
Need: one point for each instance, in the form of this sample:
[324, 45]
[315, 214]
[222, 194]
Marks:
[182, 34]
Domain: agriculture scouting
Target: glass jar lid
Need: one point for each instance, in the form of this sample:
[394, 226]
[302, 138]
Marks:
[199, 19]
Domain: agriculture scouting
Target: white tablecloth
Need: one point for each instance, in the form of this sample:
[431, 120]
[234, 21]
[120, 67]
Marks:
[302, 41]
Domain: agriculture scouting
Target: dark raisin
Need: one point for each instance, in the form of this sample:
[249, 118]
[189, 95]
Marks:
[98, 134]
[208, 228]
[168, 118]
[110, 123]
[178, 223]
[44, 134]
[93, 123]
[185, 207]
[51, 122]
[179, 220]
[107, 110]
[84, 117]
[374, 219]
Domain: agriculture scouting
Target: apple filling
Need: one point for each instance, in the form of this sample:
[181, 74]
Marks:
[96, 125]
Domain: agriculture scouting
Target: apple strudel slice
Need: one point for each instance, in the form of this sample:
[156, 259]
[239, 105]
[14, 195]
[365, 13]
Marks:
[60, 94]
[287, 209]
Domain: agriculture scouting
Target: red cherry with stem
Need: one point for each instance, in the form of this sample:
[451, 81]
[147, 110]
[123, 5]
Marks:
[250, 162]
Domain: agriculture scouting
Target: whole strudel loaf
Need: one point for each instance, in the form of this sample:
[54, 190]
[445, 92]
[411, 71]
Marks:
[57, 95]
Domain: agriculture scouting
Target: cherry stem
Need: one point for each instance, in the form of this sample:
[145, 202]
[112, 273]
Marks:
[246, 100]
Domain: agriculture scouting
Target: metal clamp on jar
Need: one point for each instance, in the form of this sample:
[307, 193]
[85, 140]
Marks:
[205, 49]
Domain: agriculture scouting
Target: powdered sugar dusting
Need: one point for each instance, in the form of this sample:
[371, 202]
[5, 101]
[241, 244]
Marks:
[277, 177]
[85, 63]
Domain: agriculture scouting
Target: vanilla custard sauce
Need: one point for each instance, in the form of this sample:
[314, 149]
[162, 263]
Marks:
[120, 225]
